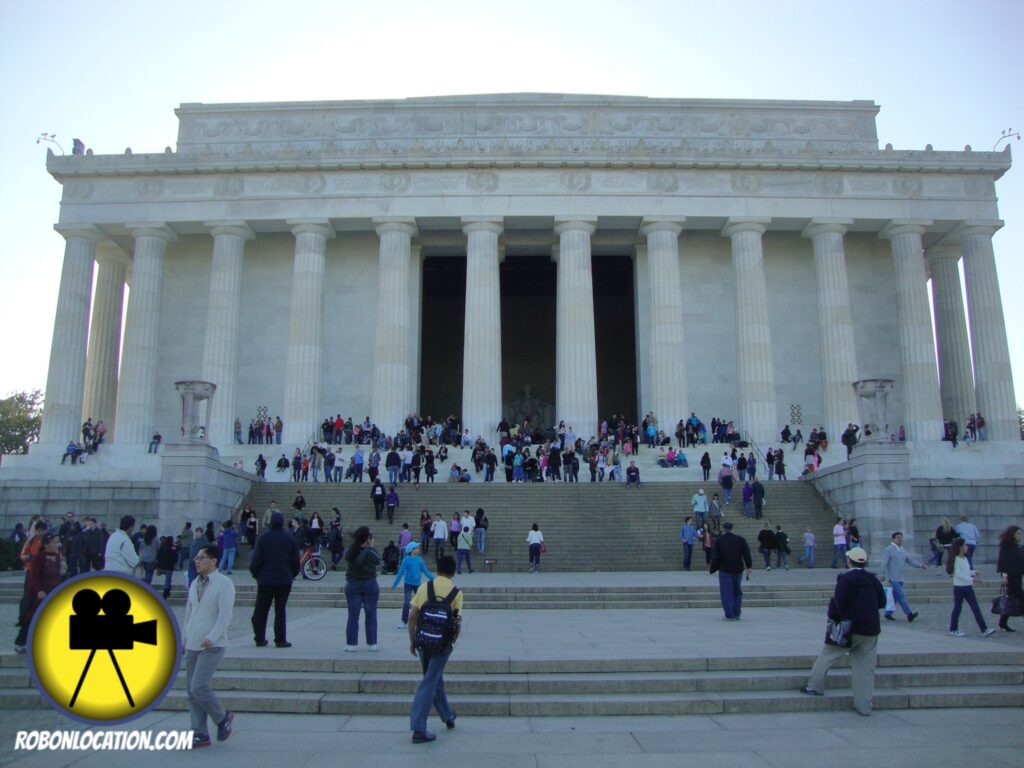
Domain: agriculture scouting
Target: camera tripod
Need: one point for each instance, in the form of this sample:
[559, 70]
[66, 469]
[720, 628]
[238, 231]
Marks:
[85, 671]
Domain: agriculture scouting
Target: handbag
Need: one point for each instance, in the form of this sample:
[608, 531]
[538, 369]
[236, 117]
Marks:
[1004, 605]
[542, 547]
[838, 633]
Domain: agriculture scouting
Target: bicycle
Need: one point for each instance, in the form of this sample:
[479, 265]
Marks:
[312, 565]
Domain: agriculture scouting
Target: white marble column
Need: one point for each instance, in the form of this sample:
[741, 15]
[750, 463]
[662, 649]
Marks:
[105, 337]
[416, 320]
[62, 417]
[668, 366]
[956, 382]
[922, 406]
[835, 325]
[393, 377]
[223, 326]
[303, 375]
[755, 373]
[993, 379]
[575, 342]
[481, 359]
[136, 389]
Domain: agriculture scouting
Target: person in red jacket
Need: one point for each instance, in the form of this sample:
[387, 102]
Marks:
[44, 574]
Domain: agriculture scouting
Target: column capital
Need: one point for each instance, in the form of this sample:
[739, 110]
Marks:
[969, 227]
[156, 229]
[109, 251]
[320, 227]
[943, 252]
[395, 224]
[659, 224]
[237, 228]
[738, 224]
[587, 224]
[86, 231]
[482, 224]
[826, 226]
[898, 227]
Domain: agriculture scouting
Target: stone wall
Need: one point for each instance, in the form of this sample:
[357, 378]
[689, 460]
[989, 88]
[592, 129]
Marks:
[989, 504]
[106, 501]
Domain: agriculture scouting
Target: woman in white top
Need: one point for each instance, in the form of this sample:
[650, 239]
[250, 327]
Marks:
[536, 541]
[963, 589]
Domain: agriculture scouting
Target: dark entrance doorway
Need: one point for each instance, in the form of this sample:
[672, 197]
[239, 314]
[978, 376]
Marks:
[614, 326]
[443, 322]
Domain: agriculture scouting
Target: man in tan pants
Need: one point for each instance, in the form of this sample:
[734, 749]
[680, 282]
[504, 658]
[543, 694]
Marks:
[858, 597]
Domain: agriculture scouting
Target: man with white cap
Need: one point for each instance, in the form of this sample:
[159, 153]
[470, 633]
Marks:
[411, 570]
[858, 597]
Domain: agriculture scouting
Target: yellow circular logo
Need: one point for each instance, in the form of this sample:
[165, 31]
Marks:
[103, 648]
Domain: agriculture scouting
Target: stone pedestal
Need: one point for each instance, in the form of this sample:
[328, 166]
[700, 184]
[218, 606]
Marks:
[196, 487]
[194, 421]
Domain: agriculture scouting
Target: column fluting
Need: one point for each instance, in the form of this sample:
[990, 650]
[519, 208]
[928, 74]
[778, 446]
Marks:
[223, 326]
[303, 380]
[105, 337]
[922, 406]
[481, 360]
[668, 386]
[755, 374]
[136, 389]
[956, 382]
[575, 343]
[393, 378]
[993, 377]
[835, 325]
[65, 378]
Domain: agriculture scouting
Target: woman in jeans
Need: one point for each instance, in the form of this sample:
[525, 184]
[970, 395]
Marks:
[361, 589]
[535, 539]
[963, 589]
[1011, 566]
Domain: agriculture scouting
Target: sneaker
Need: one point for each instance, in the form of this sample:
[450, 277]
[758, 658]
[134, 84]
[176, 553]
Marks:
[768, 568]
[889, 617]
[19, 649]
[989, 632]
[450, 724]
[912, 616]
[200, 740]
[350, 649]
[372, 648]
[224, 727]
[419, 737]
[957, 633]
[402, 626]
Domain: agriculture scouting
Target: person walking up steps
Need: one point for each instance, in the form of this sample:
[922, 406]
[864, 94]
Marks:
[410, 571]
[535, 540]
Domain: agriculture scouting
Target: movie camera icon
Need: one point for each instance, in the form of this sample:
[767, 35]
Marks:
[116, 630]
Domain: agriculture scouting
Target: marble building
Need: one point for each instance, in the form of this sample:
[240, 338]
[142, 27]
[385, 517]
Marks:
[587, 254]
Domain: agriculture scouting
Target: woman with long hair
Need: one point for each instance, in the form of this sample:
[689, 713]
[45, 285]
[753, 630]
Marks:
[147, 554]
[1011, 566]
[361, 589]
[963, 589]
[535, 540]
[944, 536]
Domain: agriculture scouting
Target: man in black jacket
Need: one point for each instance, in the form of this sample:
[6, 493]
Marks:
[730, 556]
[274, 564]
[858, 597]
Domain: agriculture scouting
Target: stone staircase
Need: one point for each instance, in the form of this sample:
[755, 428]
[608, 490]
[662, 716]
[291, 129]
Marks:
[586, 526]
[574, 688]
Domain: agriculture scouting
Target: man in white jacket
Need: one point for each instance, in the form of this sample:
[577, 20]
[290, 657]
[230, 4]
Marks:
[211, 600]
[120, 553]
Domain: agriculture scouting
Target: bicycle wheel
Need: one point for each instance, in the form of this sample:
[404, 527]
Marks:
[315, 568]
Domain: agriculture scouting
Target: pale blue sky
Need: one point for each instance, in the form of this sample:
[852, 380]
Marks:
[944, 73]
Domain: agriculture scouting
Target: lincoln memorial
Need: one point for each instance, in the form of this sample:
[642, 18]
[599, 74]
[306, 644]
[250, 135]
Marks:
[595, 254]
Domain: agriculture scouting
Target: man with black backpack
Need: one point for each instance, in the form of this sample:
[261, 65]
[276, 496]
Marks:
[435, 618]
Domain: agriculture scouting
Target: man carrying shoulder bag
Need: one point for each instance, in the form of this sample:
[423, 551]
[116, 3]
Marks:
[858, 597]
